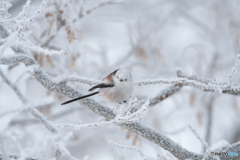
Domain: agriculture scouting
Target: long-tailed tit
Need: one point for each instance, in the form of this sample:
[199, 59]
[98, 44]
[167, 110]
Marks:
[116, 87]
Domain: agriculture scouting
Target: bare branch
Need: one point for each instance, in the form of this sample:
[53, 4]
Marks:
[198, 137]
[209, 121]
[10, 84]
[234, 69]
[102, 4]
[129, 147]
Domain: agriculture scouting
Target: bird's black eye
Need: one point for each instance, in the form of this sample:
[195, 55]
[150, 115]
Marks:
[125, 79]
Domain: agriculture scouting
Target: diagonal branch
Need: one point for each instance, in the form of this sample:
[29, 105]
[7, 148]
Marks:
[99, 109]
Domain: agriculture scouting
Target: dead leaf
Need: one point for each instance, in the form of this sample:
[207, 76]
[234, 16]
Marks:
[199, 118]
[70, 34]
[192, 99]
[49, 60]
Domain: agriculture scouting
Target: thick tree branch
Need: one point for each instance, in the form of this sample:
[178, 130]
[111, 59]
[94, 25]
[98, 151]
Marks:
[136, 127]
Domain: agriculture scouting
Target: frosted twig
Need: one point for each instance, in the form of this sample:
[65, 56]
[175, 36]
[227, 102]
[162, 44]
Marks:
[135, 114]
[119, 119]
[198, 137]
[102, 4]
[129, 147]
[26, 22]
[21, 15]
[211, 87]
[165, 94]
[234, 69]
[87, 125]
[41, 118]
[10, 84]
[79, 79]
[99, 109]
[209, 120]
[40, 49]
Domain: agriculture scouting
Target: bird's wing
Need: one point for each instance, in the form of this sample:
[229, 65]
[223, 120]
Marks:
[108, 81]
[109, 78]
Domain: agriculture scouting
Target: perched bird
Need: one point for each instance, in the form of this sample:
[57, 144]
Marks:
[116, 87]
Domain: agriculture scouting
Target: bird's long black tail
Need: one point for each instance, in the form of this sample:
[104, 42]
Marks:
[75, 99]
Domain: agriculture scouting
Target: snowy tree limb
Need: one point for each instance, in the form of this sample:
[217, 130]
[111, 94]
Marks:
[234, 68]
[210, 87]
[129, 147]
[165, 94]
[38, 115]
[99, 109]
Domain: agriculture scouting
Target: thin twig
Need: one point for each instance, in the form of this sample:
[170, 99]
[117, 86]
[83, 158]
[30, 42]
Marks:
[198, 137]
[129, 147]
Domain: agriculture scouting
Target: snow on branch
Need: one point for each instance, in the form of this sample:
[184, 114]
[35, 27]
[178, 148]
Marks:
[27, 21]
[166, 93]
[38, 115]
[210, 87]
[10, 84]
[99, 109]
[198, 137]
[87, 125]
[128, 147]
[102, 4]
[38, 49]
[79, 79]
[119, 118]
[234, 68]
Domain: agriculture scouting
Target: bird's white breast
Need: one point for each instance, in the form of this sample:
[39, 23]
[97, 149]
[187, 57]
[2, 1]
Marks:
[119, 93]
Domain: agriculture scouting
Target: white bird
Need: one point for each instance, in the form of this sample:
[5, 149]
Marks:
[116, 87]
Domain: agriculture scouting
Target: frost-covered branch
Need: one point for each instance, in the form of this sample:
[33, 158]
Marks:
[129, 147]
[198, 137]
[209, 120]
[27, 21]
[119, 119]
[86, 125]
[38, 49]
[102, 4]
[165, 94]
[10, 84]
[210, 87]
[26, 107]
[99, 109]
[79, 79]
[38, 115]
[234, 68]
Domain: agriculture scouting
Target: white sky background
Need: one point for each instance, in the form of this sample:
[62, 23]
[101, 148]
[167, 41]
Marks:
[156, 37]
